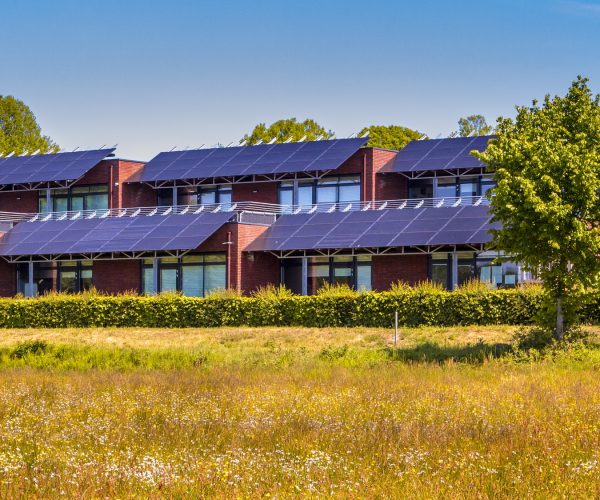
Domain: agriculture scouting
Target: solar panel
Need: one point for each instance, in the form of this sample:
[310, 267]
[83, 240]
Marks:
[112, 234]
[377, 228]
[251, 160]
[439, 154]
[50, 167]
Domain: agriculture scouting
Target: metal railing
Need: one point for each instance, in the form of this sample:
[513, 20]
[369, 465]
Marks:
[249, 207]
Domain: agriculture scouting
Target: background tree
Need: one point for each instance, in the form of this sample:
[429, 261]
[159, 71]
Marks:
[19, 131]
[391, 136]
[473, 125]
[282, 130]
[547, 166]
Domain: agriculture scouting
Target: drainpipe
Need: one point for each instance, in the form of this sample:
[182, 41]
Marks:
[229, 242]
[364, 179]
[111, 185]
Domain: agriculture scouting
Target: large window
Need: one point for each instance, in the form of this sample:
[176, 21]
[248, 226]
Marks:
[337, 189]
[352, 271]
[450, 187]
[202, 195]
[92, 197]
[193, 275]
[69, 277]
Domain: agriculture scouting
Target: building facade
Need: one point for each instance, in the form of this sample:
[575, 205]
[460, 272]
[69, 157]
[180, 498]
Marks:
[299, 214]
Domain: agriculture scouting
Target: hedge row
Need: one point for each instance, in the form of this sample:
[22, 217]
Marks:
[435, 308]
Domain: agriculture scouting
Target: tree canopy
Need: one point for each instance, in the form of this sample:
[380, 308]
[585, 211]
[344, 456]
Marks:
[285, 129]
[19, 131]
[547, 166]
[390, 136]
[473, 125]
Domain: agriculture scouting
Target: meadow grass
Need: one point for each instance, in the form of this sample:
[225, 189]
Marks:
[290, 413]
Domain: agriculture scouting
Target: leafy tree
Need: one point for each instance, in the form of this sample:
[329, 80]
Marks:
[19, 131]
[290, 128]
[473, 125]
[547, 166]
[390, 137]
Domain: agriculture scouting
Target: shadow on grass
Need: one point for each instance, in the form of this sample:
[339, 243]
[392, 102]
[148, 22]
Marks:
[432, 353]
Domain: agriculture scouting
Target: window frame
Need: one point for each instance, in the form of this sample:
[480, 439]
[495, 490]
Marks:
[68, 194]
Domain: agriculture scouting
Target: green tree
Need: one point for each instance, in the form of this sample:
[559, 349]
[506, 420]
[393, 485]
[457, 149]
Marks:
[390, 137]
[283, 130]
[473, 125]
[547, 166]
[19, 131]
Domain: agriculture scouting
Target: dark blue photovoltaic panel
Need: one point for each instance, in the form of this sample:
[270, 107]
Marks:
[378, 228]
[439, 154]
[112, 234]
[251, 160]
[50, 167]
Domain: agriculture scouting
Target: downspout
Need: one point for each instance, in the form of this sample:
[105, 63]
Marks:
[364, 179]
[228, 259]
[111, 182]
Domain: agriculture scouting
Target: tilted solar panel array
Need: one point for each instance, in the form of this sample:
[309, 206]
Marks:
[49, 167]
[440, 154]
[378, 229]
[111, 234]
[251, 160]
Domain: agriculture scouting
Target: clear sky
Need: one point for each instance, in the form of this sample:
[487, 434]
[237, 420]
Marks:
[150, 75]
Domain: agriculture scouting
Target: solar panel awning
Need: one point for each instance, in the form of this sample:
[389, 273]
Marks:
[50, 167]
[112, 234]
[378, 229]
[439, 154]
[251, 160]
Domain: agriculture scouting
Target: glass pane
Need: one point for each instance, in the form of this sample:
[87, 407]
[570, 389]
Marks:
[148, 280]
[465, 273]
[77, 203]
[99, 188]
[192, 258]
[192, 281]
[318, 275]
[292, 275]
[68, 281]
[208, 197]
[60, 204]
[446, 188]
[214, 278]
[80, 189]
[86, 279]
[305, 194]
[168, 280]
[350, 193]
[468, 188]
[343, 275]
[187, 196]
[214, 257]
[363, 277]
[286, 197]
[420, 188]
[43, 205]
[439, 273]
[165, 197]
[326, 194]
[225, 197]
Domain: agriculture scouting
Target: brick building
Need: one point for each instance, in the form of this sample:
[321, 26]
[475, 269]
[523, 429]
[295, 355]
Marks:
[301, 214]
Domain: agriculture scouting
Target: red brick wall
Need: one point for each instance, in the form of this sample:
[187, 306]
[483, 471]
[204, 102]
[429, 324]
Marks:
[387, 269]
[8, 279]
[22, 201]
[116, 276]
[265, 192]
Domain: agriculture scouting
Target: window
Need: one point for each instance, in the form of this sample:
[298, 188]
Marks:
[193, 275]
[420, 188]
[203, 195]
[68, 276]
[450, 187]
[354, 271]
[92, 197]
[499, 274]
[338, 189]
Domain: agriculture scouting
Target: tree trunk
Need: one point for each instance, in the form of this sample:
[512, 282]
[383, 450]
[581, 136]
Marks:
[560, 320]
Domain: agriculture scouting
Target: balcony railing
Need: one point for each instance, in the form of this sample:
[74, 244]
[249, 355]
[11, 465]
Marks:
[247, 210]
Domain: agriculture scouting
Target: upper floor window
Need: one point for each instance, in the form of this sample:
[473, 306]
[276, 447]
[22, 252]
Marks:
[450, 187]
[202, 195]
[336, 189]
[92, 197]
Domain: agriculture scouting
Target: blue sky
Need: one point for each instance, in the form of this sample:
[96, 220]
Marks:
[151, 75]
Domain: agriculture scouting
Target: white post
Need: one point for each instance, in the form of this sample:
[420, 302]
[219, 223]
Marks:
[48, 201]
[304, 275]
[395, 328]
[155, 275]
[454, 271]
[30, 280]
[174, 196]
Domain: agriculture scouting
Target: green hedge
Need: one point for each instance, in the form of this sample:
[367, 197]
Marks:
[415, 307]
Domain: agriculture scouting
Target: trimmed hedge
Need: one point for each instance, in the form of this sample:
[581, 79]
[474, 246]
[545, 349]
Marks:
[415, 307]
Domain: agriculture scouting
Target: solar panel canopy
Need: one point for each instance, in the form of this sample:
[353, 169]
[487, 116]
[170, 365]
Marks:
[378, 228]
[50, 167]
[111, 234]
[440, 154]
[251, 160]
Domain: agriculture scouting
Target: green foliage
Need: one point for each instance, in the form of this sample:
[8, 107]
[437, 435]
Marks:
[546, 164]
[423, 305]
[390, 137]
[32, 347]
[473, 125]
[19, 131]
[290, 128]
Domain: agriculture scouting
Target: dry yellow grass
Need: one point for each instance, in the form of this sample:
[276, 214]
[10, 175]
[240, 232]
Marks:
[492, 429]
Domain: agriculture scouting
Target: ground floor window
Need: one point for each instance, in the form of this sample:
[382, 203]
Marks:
[309, 274]
[68, 277]
[470, 265]
[193, 275]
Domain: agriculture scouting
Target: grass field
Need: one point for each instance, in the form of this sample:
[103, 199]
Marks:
[295, 412]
